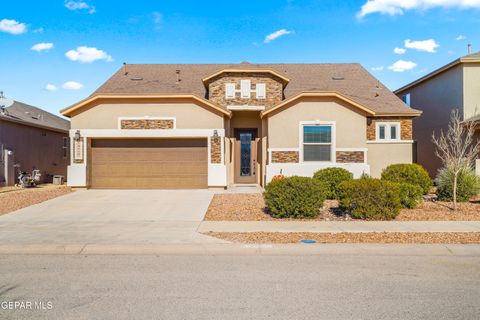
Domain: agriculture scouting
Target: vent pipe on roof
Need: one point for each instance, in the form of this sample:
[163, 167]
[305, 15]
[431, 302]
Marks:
[177, 72]
[469, 48]
[125, 72]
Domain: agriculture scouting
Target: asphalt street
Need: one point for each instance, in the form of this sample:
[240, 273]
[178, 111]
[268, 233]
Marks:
[321, 286]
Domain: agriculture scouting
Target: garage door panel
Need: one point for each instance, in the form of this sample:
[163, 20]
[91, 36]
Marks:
[149, 163]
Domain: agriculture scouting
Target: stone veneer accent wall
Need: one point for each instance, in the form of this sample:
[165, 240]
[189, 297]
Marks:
[285, 157]
[147, 124]
[273, 90]
[405, 127]
[216, 150]
[350, 156]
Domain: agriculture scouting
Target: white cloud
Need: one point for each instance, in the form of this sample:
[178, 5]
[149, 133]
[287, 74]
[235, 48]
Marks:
[79, 5]
[157, 20]
[38, 30]
[429, 45]
[12, 26]
[43, 46]
[379, 68]
[72, 85]
[277, 34]
[460, 37]
[399, 50]
[51, 87]
[87, 55]
[398, 7]
[402, 65]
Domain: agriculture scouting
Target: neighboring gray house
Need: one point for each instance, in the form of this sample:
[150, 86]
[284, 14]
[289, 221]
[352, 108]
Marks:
[453, 86]
[32, 138]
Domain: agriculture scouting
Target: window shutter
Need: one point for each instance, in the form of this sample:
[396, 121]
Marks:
[245, 89]
[230, 90]
[260, 87]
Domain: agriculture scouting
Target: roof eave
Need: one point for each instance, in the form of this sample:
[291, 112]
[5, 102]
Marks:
[319, 94]
[35, 125]
[436, 72]
[67, 111]
[278, 75]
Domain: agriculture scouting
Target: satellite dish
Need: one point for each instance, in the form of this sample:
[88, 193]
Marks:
[4, 102]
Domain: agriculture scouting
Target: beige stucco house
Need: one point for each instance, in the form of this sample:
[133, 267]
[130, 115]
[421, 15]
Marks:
[215, 125]
[453, 86]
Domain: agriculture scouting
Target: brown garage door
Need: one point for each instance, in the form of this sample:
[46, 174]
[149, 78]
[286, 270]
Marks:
[149, 163]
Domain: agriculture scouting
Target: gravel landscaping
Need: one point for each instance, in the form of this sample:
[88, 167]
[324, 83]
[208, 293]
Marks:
[13, 198]
[344, 237]
[251, 207]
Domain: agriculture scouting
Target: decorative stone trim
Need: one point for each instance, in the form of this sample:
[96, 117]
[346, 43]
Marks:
[147, 124]
[350, 156]
[406, 131]
[285, 157]
[273, 89]
[216, 150]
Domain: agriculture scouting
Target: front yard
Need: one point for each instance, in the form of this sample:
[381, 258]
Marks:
[14, 198]
[251, 207]
[351, 237]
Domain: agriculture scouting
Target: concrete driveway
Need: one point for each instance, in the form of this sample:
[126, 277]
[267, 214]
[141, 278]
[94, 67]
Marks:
[111, 217]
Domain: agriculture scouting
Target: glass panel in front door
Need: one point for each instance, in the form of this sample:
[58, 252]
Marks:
[245, 154]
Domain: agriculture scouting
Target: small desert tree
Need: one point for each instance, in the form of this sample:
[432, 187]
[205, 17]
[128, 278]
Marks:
[457, 148]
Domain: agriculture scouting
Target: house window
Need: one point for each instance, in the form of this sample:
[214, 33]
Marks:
[229, 90]
[245, 87]
[387, 131]
[317, 143]
[406, 99]
[65, 147]
[261, 90]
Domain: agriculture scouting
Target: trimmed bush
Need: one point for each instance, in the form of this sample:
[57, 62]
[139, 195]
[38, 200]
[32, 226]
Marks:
[410, 195]
[332, 177]
[370, 199]
[410, 173]
[468, 185]
[295, 197]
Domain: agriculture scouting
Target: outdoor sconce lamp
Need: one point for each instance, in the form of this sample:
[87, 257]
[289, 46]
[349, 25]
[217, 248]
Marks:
[77, 136]
[215, 134]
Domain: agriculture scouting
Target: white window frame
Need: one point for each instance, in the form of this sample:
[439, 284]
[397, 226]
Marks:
[333, 143]
[388, 126]
[245, 89]
[260, 91]
[233, 90]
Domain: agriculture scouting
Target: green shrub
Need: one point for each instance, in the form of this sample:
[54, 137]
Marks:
[411, 173]
[370, 199]
[295, 197]
[332, 177]
[468, 185]
[410, 195]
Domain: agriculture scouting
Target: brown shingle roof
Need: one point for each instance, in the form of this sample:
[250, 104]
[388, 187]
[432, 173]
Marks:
[356, 83]
[30, 115]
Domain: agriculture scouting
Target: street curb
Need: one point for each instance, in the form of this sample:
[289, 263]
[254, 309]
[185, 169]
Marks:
[244, 249]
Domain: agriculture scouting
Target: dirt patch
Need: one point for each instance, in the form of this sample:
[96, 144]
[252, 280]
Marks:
[346, 237]
[12, 199]
[251, 207]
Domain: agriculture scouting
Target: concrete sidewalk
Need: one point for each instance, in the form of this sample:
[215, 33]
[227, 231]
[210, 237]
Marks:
[339, 226]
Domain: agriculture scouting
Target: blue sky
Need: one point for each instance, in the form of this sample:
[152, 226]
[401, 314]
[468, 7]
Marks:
[80, 43]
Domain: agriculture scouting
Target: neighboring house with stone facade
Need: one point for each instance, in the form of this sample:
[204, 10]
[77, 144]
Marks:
[215, 125]
[453, 86]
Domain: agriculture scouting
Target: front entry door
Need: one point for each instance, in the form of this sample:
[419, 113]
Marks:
[245, 156]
